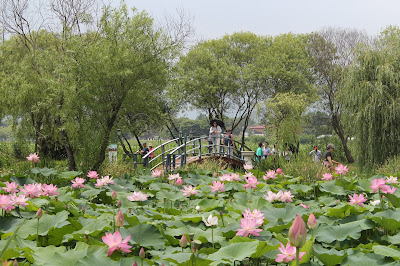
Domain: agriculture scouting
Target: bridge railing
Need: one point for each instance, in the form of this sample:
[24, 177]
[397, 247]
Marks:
[169, 158]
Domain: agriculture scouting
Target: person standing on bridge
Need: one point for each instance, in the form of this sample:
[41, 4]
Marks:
[215, 135]
[228, 142]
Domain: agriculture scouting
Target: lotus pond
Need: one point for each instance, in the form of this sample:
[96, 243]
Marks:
[197, 218]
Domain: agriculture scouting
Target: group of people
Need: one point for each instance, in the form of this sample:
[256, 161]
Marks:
[214, 140]
[326, 157]
[264, 151]
[145, 150]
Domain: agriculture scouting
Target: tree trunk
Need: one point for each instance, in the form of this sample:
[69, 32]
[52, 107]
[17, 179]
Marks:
[339, 131]
[106, 138]
[67, 146]
[138, 141]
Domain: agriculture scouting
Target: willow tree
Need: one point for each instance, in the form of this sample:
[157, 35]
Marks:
[333, 52]
[371, 99]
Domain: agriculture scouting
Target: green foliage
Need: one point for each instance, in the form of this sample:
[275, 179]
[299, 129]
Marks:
[284, 113]
[371, 99]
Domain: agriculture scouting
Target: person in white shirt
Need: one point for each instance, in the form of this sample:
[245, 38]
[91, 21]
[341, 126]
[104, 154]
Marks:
[316, 154]
[266, 151]
[215, 136]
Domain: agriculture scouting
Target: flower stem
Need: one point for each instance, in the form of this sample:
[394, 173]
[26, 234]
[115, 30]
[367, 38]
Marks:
[380, 198]
[37, 233]
[212, 238]
[297, 256]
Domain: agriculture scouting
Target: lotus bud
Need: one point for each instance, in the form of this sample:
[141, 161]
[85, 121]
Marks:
[114, 195]
[135, 264]
[221, 213]
[279, 171]
[15, 262]
[312, 222]
[129, 210]
[119, 203]
[119, 219]
[180, 207]
[83, 209]
[198, 208]
[183, 242]
[142, 254]
[162, 264]
[66, 206]
[179, 182]
[298, 232]
[39, 213]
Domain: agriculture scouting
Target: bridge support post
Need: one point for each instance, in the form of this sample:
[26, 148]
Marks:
[247, 156]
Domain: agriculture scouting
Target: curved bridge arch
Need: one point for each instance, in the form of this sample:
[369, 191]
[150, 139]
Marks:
[178, 152]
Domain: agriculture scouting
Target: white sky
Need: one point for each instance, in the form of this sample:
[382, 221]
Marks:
[213, 19]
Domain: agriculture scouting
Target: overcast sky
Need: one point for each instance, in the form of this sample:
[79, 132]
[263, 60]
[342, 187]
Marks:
[213, 19]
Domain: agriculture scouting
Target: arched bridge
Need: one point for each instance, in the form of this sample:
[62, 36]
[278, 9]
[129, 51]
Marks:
[181, 151]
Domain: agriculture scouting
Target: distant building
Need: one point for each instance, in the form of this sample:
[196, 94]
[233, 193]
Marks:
[257, 130]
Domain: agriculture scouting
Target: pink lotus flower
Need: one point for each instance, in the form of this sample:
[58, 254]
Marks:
[179, 182]
[248, 174]
[304, 206]
[327, 177]
[377, 184]
[248, 228]
[32, 190]
[251, 182]
[137, 196]
[49, 190]
[115, 242]
[11, 187]
[341, 169]
[33, 157]
[279, 171]
[78, 183]
[173, 176]
[288, 253]
[271, 196]
[357, 199]
[270, 175]
[217, 186]
[6, 203]
[93, 175]
[285, 196]
[387, 189]
[20, 200]
[105, 180]
[236, 177]
[156, 173]
[312, 222]
[380, 184]
[298, 232]
[226, 177]
[247, 167]
[391, 180]
[188, 191]
[256, 215]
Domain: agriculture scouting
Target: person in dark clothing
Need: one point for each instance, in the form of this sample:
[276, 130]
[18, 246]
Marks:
[143, 152]
[328, 161]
